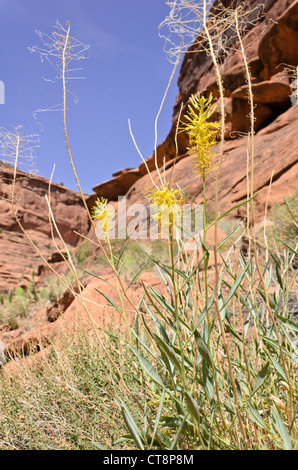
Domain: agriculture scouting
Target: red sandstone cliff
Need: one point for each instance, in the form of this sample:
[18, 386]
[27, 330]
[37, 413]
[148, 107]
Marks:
[19, 262]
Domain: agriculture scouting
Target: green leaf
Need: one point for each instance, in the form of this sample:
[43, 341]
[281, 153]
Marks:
[121, 253]
[123, 438]
[233, 332]
[174, 443]
[290, 248]
[294, 417]
[143, 344]
[158, 415]
[192, 407]
[131, 425]
[108, 299]
[159, 326]
[167, 282]
[229, 236]
[256, 417]
[272, 302]
[186, 194]
[277, 367]
[94, 275]
[168, 350]
[232, 209]
[148, 368]
[136, 275]
[261, 377]
[203, 348]
[288, 323]
[235, 285]
[162, 301]
[194, 270]
[282, 430]
[99, 446]
[277, 270]
[274, 344]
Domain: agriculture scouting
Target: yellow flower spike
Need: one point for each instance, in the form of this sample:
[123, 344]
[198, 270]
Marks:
[102, 214]
[201, 133]
[168, 206]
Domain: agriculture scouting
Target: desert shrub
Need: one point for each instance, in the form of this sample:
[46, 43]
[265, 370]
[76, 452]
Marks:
[83, 251]
[66, 401]
[284, 219]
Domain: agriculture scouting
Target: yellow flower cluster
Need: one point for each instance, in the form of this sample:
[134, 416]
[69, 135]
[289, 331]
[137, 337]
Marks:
[201, 133]
[102, 214]
[167, 203]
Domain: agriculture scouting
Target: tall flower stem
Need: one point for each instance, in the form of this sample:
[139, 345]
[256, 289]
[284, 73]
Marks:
[206, 258]
[222, 139]
[176, 301]
[252, 120]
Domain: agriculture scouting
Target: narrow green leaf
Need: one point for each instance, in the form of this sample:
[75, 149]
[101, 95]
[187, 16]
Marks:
[192, 407]
[256, 417]
[261, 377]
[108, 299]
[290, 248]
[170, 353]
[235, 286]
[232, 209]
[277, 367]
[274, 344]
[186, 194]
[148, 368]
[203, 348]
[174, 443]
[294, 417]
[229, 236]
[99, 446]
[277, 270]
[272, 302]
[123, 438]
[121, 253]
[131, 425]
[159, 326]
[94, 275]
[158, 415]
[288, 323]
[136, 275]
[282, 430]
[233, 332]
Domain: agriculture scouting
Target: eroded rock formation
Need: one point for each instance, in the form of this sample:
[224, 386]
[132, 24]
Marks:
[19, 261]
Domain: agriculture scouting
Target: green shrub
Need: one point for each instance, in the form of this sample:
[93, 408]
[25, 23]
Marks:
[285, 219]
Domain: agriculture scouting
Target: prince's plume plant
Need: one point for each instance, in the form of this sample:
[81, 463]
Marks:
[202, 133]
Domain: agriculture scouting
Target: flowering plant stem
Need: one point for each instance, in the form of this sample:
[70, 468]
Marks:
[222, 139]
[176, 303]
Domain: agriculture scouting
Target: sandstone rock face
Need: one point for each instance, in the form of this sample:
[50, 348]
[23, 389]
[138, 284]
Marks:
[18, 258]
[269, 42]
[197, 72]
[279, 44]
[119, 185]
[276, 150]
[271, 98]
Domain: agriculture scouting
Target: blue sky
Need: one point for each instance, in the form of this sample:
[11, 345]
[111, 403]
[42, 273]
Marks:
[125, 78]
